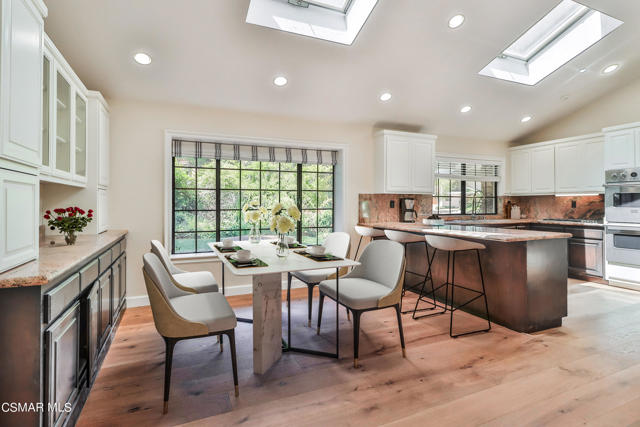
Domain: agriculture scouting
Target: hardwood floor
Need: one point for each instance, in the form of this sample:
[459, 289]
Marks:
[585, 372]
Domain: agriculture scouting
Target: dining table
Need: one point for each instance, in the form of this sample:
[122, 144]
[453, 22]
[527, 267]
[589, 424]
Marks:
[266, 273]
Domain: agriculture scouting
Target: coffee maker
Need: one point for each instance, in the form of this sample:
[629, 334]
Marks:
[407, 210]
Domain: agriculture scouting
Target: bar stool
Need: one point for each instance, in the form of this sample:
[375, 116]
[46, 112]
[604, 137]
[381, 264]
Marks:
[364, 231]
[405, 239]
[452, 246]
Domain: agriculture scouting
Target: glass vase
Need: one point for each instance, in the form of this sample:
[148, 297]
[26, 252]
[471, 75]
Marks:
[254, 234]
[70, 237]
[282, 247]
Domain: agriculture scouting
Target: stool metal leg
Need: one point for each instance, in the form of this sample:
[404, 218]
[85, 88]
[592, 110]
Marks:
[358, 248]
[433, 292]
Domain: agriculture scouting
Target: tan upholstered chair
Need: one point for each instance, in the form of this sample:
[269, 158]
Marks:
[338, 244]
[180, 315]
[196, 281]
[375, 284]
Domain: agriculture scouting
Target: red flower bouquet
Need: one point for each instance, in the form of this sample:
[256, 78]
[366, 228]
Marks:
[69, 221]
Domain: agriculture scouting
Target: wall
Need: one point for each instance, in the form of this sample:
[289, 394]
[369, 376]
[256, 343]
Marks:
[619, 107]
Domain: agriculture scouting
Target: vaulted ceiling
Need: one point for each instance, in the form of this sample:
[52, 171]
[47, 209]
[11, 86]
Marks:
[205, 54]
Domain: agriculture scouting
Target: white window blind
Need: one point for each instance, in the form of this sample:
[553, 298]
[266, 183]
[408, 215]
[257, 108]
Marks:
[468, 169]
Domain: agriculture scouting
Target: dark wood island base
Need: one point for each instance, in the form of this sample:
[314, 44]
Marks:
[525, 273]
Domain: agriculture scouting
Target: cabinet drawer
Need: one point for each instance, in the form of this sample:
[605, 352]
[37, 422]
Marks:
[552, 228]
[105, 261]
[89, 274]
[586, 233]
[586, 257]
[61, 296]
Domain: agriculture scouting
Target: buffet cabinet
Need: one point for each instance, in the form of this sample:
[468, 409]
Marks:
[56, 354]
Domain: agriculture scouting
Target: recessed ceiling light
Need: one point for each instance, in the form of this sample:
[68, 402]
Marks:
[456, 21]
[525, 119]
[142, 58]
[610, 69]
[564, 33]
[385, 97]
[465, 109]
[280, 81]
[583, 70]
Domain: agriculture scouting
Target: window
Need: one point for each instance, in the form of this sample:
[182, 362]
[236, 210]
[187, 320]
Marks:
[565, 32]
[208, 195]
[466, 188]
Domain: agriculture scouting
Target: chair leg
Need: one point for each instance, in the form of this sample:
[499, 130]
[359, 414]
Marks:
[220, 341]
[356, 336]
[348, 314]
[289, 277]
[400, 329]
[453, 286]
[484, 293]
[358, 248]
[234, 363]
[320, 304]
[169, 345]
[310, 301]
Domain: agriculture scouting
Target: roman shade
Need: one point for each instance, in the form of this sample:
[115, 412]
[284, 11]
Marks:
[247, 152]
[468, 169]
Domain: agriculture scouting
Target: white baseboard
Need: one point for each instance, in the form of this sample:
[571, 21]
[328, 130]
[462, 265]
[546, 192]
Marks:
[143, 300]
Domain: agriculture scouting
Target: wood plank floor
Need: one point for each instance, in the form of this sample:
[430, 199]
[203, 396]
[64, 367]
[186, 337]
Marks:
[585, 372]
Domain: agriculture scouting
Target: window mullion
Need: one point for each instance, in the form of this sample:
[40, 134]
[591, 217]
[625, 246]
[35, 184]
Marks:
[173, 205]
[218, 213]
[299, 200]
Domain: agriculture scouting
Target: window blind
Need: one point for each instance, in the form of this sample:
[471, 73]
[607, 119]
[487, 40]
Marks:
[468, 169]
[246, 152]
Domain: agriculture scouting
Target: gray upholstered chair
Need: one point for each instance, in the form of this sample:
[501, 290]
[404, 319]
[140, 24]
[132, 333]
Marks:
[338, 244]
[180, 315]
[196, 281]
[375, 284]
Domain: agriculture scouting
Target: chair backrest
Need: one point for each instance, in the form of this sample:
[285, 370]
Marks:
[382, 261]
[158, 249]
[161, 289]
[338, 243]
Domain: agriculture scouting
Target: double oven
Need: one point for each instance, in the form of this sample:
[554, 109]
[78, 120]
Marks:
[622, 213]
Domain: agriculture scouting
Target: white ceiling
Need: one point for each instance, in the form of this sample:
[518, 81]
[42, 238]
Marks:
[205, 54]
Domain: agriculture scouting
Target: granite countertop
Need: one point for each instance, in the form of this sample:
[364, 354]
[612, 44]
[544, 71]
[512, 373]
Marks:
[472, 232]
[55, 261]
[504, 221]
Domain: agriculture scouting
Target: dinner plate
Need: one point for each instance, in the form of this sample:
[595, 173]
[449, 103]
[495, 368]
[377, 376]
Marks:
[235, 258]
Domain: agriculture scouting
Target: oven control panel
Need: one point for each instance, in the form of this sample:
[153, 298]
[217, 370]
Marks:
[614, 176]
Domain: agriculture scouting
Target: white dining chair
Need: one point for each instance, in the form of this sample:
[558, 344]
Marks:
[180, 315]
[197, 281]
[375, 284]
[338, 244]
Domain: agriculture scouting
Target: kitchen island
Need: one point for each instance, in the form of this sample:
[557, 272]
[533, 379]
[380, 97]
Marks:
[525, 272]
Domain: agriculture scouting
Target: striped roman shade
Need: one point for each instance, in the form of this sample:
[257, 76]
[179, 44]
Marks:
[264, 153]
[468, 169]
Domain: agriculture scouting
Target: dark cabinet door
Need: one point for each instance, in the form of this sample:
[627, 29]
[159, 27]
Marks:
[123, 278]
[62, 365]
[104, 298]
[586, 257]
[93, 327]
[115, 284]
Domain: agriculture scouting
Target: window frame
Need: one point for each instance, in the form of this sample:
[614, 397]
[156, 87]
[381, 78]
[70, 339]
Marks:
[241, 232]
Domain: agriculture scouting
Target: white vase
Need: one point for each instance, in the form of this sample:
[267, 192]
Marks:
[282, 247]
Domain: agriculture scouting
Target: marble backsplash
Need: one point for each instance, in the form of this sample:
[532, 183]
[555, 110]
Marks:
[377, 207]
[541, 207]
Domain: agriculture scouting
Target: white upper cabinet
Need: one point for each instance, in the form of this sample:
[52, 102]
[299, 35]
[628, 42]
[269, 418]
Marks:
[21, 80]
[543, 170]
[622, 146]
[571, 165]
[404, 162]
[64, 140]
[520, 166]
[103, 146]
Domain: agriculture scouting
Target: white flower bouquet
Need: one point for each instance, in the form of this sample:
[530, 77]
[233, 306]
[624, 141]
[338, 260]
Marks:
[253, 213]
[283, 221]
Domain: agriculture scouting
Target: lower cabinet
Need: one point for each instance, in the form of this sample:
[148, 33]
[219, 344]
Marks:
[119, 283]
[104, 307]
[93, 319]
[62, 359]
[586, 257]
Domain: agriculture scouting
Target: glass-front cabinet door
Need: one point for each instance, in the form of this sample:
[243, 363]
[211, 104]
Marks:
[46, 91]
[81, 138]
[63, 126]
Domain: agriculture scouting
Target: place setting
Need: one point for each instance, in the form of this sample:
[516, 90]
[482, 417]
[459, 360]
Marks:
[317, 253]
[291, 243]
[227, 246]
[243, 258]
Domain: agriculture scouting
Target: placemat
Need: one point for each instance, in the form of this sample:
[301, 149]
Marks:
[239, 264]
[227, 250]
[292, 245]
[320, 258]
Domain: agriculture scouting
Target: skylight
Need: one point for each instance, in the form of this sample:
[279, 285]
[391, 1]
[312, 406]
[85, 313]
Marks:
[565, 32]
[338, 21]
